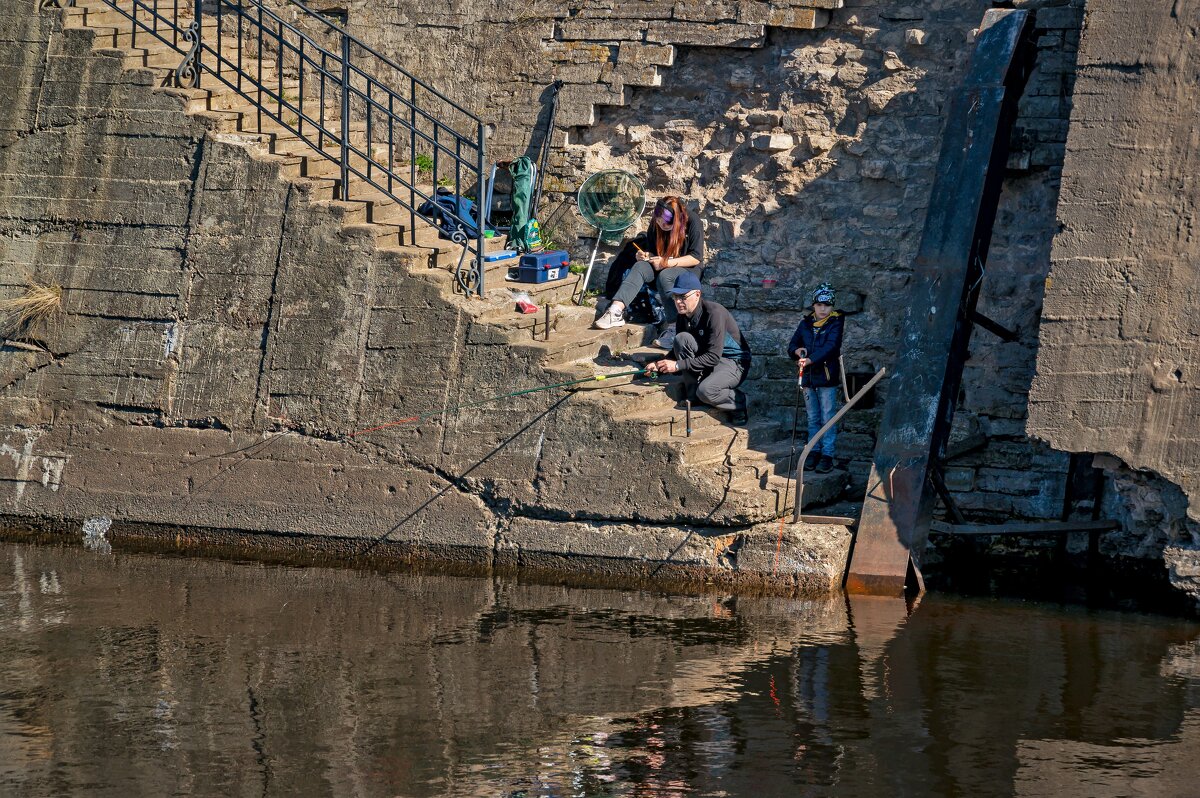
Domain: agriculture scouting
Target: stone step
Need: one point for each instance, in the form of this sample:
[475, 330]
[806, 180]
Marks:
[556, 291]
[230, 99]
[101, 15]
[772, 457]
[777, 495]
[713, 437]
[642, 397]
[672, 419]
[194, 100]
[120, 35]
[820, 489]
[251, 119]
[563, 348]
[163, 63]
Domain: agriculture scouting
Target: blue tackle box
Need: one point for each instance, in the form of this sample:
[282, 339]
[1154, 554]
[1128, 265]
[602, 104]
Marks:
[542, 267]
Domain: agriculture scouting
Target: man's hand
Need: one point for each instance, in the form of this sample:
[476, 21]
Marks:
[665, 366]
[804, 362]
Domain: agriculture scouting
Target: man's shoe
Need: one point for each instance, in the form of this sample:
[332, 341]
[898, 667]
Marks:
[825, 465]
[811, 462]
[740, 416]
[608, 320]
[666, 339]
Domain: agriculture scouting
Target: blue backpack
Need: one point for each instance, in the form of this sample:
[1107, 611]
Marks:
[455, 217]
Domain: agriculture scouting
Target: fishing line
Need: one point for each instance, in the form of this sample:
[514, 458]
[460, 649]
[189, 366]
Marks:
[258, 447]
[466, 405]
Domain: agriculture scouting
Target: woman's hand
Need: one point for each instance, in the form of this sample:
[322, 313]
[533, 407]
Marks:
[658, 262]
[643, 255]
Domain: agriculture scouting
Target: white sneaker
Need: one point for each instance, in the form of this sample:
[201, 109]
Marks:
[609, 320]
[666, 340]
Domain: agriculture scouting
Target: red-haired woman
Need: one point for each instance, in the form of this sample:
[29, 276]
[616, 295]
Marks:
[673, 245]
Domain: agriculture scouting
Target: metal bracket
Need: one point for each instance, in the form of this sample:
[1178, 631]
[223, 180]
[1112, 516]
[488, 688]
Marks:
[466, 274]
[938, 480]
[994, 327]
[187, 74]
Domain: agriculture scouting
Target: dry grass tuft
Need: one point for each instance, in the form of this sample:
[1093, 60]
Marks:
[23, 314]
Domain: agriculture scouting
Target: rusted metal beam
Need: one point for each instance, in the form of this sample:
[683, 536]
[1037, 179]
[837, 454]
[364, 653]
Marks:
[947, 273]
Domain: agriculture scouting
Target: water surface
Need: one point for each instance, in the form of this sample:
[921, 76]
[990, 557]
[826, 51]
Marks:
[131, 675]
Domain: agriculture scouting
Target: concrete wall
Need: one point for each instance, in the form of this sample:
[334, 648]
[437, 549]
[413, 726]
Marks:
[1120, 340]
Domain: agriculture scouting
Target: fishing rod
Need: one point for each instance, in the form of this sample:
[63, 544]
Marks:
[803, 353]
[465, 405]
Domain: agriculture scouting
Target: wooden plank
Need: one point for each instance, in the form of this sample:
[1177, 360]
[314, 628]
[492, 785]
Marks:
[1034, 528]
[937, 325]
[838, 520]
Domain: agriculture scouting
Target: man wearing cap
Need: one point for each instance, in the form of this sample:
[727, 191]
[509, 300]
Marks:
[709, 350]
[816, 346]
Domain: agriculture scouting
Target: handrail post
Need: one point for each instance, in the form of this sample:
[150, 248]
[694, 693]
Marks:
[345, 164]
[412, 160]
[199, 44]
[481, 185]
[821, 433]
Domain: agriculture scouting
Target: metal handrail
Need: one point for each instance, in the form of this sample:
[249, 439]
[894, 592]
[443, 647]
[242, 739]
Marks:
[336, 101]
[389, 62]
[821, 433]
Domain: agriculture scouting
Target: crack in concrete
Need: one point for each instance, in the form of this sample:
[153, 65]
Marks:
[54, 358]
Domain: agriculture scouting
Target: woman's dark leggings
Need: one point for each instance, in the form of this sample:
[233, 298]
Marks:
[623, 287]
[616, 271]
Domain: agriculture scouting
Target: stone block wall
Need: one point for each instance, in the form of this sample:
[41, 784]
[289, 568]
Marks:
[497, 57]
[811, 159]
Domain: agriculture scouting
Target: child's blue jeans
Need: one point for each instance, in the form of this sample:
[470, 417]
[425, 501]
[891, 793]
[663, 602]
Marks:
[821, 404]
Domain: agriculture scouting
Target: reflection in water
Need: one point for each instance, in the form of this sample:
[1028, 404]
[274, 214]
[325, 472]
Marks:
[133, 675]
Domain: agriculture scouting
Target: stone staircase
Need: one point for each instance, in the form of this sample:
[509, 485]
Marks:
[746, 467]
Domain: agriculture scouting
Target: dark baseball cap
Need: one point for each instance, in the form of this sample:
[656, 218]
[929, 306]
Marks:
[686, 282]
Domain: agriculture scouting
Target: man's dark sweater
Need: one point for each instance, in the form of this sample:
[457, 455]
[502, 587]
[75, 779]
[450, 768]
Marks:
[717, 335]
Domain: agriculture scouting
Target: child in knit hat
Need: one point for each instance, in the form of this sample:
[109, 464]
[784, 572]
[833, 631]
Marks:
[816, 346]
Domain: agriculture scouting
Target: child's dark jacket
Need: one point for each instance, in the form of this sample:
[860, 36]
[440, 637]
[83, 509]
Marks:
[824, 345]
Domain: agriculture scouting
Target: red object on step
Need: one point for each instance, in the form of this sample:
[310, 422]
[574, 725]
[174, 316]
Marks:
[526, 307]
